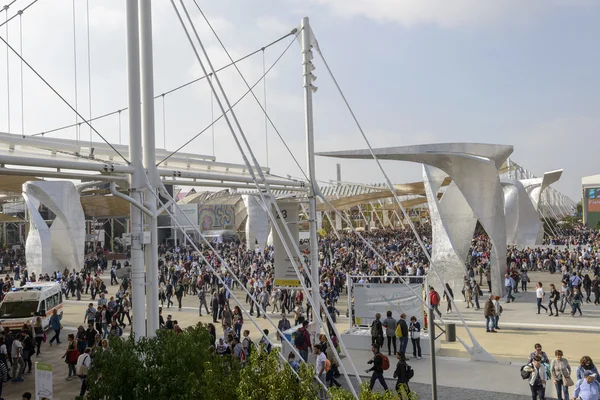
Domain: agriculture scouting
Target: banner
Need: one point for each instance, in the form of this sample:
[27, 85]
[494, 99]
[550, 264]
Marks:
[187, 210]
[285, 275]
[594, 205]
[373, 298]
[43, 381]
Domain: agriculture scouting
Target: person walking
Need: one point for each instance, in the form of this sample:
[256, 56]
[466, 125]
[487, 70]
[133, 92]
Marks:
[509, 283]
[468, 292]
[238, 321]
[554, 296]
[537, 379]
[539, 294]
[596, 290]
[586, 364]
[56, 326]
[377, 368]
[402, 374]
[18, 365]
[587, 388]
[38, 331]
[390, 331]
[333, 372]
[71, 355]
[302, 341]
[489, 312]
[215, 307]
[524, 280]
[84, 362]
[565, 296]
[202, 300]
[560, 370]
[587, 287]
[434, 301]
[476, 292]
[321, 369]
[415, 336]
[576, 299]
[448, 296]
[283, 325]
[179, 291]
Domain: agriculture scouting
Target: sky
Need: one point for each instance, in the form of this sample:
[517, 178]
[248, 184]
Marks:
[523, 73]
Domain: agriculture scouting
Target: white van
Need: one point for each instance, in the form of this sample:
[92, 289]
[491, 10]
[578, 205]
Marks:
[22, 303]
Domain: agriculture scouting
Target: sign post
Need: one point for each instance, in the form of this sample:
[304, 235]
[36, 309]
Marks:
[43, 381]
[285, 275]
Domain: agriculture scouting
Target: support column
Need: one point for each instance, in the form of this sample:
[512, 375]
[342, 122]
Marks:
[147, 90]
[310, 147]
[137, 177]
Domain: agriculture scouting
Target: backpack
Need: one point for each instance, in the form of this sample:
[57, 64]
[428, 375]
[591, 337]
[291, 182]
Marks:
[374, 330]
[548, 374]
[409, 373]
[385, 364]
[398, 330]
[250, 347]
[299, 339]
[525, 374]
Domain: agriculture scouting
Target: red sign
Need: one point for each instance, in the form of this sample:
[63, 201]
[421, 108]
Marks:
[594, 205]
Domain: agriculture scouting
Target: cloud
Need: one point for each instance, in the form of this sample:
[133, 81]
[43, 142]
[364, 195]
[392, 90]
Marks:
[561, 143]
[273, 25]
[447, 14]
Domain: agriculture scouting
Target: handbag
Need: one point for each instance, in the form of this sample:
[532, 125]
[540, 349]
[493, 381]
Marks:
[82, 371]
[567, 381]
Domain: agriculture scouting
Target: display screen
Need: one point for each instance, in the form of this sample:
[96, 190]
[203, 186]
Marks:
[593, 200]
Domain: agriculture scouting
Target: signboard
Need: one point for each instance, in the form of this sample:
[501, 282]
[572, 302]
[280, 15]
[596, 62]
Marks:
[373, 298]
[285, 275]
[187, 210]
[593, 205]
[43, 381]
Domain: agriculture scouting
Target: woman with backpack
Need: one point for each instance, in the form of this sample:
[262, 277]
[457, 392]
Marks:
[403, 374]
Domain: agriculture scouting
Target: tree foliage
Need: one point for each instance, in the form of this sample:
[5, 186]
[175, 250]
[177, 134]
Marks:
[185, 366]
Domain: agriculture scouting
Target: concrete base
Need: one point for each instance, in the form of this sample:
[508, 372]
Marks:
[360, 339]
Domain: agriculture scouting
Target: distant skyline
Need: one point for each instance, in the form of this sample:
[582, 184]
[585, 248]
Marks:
[508, 72]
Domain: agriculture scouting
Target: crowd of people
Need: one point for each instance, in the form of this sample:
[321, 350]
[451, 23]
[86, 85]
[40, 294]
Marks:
[183, 272]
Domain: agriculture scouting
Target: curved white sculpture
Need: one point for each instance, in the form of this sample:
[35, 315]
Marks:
[536, 186]
[257, 222]
[61, 245]
[453, 223]
[473, 167]
[523, 223]
[522, 201]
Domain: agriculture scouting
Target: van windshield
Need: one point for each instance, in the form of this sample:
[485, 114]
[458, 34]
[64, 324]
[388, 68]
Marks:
[18, 309]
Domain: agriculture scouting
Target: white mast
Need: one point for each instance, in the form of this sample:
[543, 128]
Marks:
[137, 179]
[308, 78]
[149, 145]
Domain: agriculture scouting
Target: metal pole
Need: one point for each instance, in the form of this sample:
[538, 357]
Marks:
[432, 353]
[310, 148]
[112, 235]
[137, 176]
[148, 137]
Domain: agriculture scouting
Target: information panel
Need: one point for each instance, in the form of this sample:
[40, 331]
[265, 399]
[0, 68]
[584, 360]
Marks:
[373, 298]
[285, 275]
[43, 381]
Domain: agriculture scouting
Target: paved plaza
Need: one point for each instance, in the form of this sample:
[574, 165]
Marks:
[457, 377]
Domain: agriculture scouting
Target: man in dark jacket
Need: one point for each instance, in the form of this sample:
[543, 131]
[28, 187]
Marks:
[215, 306]
[404, 337]
[377, 368]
